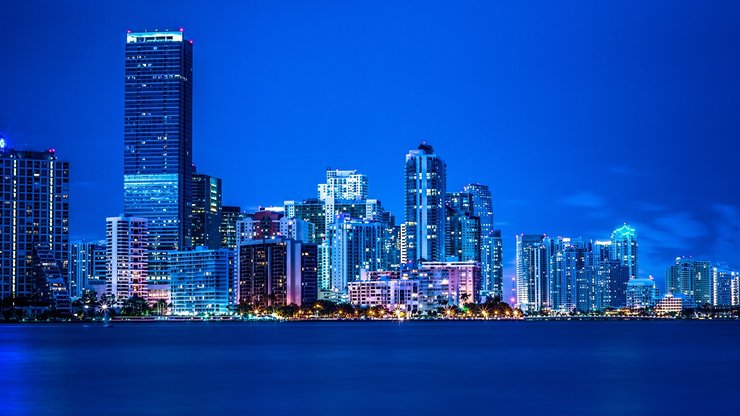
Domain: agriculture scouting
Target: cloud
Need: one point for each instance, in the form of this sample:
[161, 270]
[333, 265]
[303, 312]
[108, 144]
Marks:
[584, 200]
[623, 170]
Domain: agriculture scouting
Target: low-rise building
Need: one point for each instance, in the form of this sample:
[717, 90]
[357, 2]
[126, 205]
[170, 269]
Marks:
[641, 293]
[674, 304]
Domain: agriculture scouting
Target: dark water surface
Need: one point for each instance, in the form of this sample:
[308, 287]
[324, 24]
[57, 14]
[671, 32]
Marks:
[371, 368]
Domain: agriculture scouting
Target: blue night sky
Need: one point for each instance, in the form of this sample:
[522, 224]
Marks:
[579, 115]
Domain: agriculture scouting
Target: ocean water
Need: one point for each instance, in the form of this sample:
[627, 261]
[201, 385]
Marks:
[372, 368]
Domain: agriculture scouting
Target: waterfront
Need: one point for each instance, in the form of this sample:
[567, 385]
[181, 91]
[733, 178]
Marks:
[369, 368]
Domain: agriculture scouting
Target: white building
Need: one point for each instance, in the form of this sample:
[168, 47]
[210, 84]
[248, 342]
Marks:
[392, 293]
[725, 286]
[127, 249]
[674, 304]
[447, 283]
[344, 185]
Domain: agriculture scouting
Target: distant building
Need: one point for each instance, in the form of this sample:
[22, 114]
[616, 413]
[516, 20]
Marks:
[726, 286]
[87, 266]
[127, 246]
[532, 272]
[385, 290]
[344, 185]
[462, 228]
[497, 264]
[425, 190]
[641, 293]
[692, 278]
[447, 283]
[674, 304]
[355, 245]
[206, 211]
[483, 209]
[277, 272]
[624, 249]
[230, 215]
[34, 219]
[203, 282]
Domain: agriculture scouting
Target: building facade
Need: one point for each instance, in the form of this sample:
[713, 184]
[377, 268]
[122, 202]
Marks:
[692, 278]
[127, 246]
[277, 272]
[230, 215]
[87, 266]
[355, 245]
[205, 222]
[532, 272]
[203, 282]
[641, 294]
[157, 159]
[425, 190]
[624, 249]
[34, 218]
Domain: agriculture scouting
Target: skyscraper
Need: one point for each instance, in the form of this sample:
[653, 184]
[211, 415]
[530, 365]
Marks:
[462, 228]
[206, 211]
[624, 248]
[532, 272]
[483, 209]
[34, 219]
[158, 161]
[127, 245]
[230, 215]
[497, 264]
[425, 189]
[691, 278]
[355, 245]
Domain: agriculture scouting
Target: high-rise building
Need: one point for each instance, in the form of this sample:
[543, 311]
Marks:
[87, 265]
[355, 245]
[34, 219]
[425, 190]
[127, 246]
[447, 283]
[532, 272]
[158, 161]
[483, 209]
[345, 185]
[462, 228]
[497, 264]
[230, 215]
[571, 282]
[203, 281]
[266, 224]
[206, 211]
[725, 286]
[277, 272]
[624, 249]
[692, 278]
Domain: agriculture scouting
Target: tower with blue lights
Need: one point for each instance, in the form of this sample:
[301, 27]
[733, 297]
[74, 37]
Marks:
[157, 160]
[624, 248]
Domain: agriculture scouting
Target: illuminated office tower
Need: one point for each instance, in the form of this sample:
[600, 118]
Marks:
[34, 220]
[462, 228]
[483, 209]
[691, 278]
[497, 264]
[425, 189]
[532, 272]
[203, 281]
[344, 185]
[206, 211]
[158, 161]
[277, 272]
[230, 215]
[127, 247]
[355, 245]
[87, 265]
[624, 249]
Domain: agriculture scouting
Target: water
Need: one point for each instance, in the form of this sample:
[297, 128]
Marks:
[371, 368]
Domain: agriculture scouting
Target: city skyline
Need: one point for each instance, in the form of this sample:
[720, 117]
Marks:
[669, 225]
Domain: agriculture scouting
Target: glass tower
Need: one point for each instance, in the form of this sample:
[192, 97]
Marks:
[483, 209]
[425, 189]
[157, 161]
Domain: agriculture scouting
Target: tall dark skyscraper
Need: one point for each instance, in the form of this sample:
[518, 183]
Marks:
[206, 215]
[34, 221]
[425, 189]
[158, 160]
